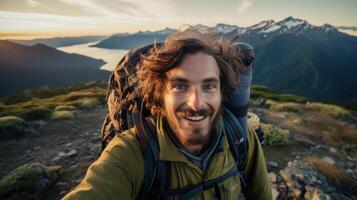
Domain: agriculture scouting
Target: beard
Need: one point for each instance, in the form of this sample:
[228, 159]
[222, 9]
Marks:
[192, 135]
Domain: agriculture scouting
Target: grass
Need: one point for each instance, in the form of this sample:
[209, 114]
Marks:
[62, 115]
[36, 108]
[8, 121]
[263, 92]
[65, 108]
[275, 136]
[331, 110]
[288, 107]
[28, 182]
[335, 174]
[50, 92]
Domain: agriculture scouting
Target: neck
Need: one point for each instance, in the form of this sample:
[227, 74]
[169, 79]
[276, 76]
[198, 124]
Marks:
[195, 149]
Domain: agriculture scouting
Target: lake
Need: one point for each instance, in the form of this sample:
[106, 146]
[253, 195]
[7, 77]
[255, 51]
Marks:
[110, 56]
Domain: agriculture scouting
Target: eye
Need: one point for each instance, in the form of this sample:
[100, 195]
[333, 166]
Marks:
[209, 86]
[179, 87]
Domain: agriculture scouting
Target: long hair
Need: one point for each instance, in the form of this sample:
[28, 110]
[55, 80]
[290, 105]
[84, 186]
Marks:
[161, 59]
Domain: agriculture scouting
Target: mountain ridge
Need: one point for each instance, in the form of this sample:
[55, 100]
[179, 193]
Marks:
[23, 67]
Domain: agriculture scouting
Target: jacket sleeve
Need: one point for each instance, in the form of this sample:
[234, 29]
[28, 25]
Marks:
[117, 174]
[258, 186]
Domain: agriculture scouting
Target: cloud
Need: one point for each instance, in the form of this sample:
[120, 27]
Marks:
[32, 3]
[244, 5]
[130, 11]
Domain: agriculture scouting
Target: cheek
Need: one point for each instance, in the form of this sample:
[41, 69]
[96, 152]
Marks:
[215, 101]
[171, 103]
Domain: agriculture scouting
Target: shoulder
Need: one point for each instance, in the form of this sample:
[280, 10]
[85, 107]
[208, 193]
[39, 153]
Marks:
[123, 148]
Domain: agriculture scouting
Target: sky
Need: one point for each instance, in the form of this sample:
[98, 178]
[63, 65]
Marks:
[48, 18]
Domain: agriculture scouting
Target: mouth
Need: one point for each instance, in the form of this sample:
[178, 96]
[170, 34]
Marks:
[195, 118]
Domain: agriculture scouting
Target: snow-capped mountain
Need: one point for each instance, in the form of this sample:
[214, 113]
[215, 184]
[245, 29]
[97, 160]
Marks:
[265, 28]
[292, 55]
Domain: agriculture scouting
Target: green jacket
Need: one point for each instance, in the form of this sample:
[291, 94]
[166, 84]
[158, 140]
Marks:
[119, 172]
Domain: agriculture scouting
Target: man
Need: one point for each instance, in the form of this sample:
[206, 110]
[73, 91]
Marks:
[184, 83]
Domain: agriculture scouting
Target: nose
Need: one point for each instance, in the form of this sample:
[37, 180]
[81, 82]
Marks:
[195, 100]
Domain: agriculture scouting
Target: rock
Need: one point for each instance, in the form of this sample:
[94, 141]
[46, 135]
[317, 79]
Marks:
[72, 152]
[333, 150]
[253, 120]
[29, 181]
[273, 164]
[59, 156]
[61, 184]
[36, 148]
[312, 193]
[329, 160]
[68, 144]
[275, 193]
[299, 176]
[95, 139]
[272, 177]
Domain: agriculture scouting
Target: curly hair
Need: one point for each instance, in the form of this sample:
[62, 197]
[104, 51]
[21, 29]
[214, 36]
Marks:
[161, 59]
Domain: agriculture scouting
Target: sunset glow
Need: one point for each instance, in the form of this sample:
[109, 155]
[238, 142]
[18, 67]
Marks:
[46, 18]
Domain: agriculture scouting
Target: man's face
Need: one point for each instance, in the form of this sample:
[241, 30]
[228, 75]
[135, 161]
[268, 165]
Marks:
[193, 98]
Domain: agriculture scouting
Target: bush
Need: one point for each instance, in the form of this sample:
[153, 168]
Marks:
[65, 108]
[332, 110]
[259, 91]
[275, 136]
[28, 181]
[62, 115]
[36, 113]
[9, 121]
[89, 103]
[287, 107]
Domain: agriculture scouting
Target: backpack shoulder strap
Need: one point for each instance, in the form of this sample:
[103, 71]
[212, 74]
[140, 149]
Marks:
[157, 172]
[237, 140]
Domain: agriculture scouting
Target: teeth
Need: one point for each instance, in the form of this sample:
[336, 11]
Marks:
[195, 118]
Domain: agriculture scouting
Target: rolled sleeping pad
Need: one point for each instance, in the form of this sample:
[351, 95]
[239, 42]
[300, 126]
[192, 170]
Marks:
[238, 102]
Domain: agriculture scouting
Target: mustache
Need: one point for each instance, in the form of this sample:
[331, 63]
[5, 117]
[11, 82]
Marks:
[189, 112]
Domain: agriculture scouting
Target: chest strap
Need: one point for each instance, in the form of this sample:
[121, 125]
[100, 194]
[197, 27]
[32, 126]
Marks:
[190, 191]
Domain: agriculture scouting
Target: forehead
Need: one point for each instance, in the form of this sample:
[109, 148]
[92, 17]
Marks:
[195, 68]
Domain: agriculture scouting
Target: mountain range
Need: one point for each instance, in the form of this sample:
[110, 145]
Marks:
[292, 56]
[25, 67]
[60, 41]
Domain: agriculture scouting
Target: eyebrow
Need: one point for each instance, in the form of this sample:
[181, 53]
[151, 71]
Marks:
[178, 79]
[210, 80]
[183, 80]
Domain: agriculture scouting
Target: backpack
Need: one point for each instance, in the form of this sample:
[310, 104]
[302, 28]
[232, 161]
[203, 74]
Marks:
[126, 110]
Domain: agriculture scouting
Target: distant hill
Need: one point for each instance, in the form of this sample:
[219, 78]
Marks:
[292, 56]
[29, 67]
[129, 41]
[60, 41]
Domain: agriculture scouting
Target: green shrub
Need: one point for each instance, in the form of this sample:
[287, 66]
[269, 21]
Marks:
[89, 103]
[36, 113]
[65, 108]
[275, 136]
[29, 181]
[259, 91]
[8, 121]
[62, 115]
[332, 110]
[287, 107]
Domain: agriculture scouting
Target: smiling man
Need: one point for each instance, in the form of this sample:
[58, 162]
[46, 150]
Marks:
[184, 84]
